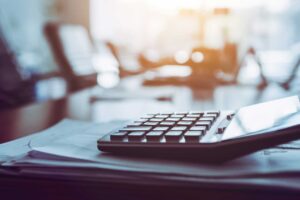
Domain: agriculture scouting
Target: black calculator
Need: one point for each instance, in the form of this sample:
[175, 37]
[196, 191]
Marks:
[208, 136]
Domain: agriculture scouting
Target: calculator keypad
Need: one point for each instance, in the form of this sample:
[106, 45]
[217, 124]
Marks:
[185, 127]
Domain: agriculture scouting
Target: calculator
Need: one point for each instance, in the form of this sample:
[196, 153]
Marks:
[208, 136]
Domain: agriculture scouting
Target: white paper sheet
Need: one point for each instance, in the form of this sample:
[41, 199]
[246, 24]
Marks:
[78, 140]
[70, 148]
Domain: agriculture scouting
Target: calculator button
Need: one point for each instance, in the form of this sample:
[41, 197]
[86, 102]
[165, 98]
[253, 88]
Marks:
[136, 136]
[118, 136]
[222, 126]
[161, 128]
[207, 124]
[188, 119]
[154, 135]
[135, 124]
[173, 119]
[205, 120]
[156, 120]
[193, 115]
[193, 136]
[179, 128]
[173, 136]
[214, 117]
[216, 113]
[177, 116]
[161, 116]
[221, 130]
[198, 128]
[167, 123]
[229, 117]
[150, 123]
[185, 123]
[196, 112]
[210, 119]
[140, 128]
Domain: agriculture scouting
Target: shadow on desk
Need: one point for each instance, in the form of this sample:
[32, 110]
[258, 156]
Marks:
[34, 188]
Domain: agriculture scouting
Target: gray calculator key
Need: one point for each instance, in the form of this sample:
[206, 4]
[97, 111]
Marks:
[198, 128]
[134, 124]
[136, 136]
[118, 136]
[229, 117]
[140, 128]
[193, 136]
[161, 128]
[173, 136]
[207, 124]
[179, 128]
[196, 112]
[221, 130]
[189, 119]
[150, 123]
[154, 135]
[210, 115]
[193, 115]
[156, 120]
[185, 123]
[222, 126]
[177, 116]
[161, 116]
[216, 113]
[211, 119]
[173, 119]
[167, 123]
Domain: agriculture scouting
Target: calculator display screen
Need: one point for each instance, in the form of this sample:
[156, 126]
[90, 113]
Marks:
[264, 117]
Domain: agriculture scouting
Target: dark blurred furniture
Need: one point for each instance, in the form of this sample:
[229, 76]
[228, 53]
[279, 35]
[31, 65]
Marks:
[218, 67]
[73, 50]
[206, 64]
[15, 90]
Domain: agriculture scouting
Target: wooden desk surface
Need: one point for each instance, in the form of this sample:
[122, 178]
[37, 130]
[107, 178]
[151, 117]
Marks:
[36, 117]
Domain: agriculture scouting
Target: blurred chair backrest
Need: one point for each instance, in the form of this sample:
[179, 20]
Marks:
[73, 51]
[14, 89]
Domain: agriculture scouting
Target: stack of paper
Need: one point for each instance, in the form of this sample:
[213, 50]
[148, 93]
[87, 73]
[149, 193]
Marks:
[69, 151]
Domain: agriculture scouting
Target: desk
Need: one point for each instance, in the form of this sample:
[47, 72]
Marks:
[36, 117]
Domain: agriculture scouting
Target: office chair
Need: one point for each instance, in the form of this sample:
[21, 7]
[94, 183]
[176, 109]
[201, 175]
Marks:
[15, 90]
[73, 50]
[287, 84]
[263, 79]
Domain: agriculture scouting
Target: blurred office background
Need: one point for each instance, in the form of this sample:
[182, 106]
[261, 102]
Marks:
[207, 45]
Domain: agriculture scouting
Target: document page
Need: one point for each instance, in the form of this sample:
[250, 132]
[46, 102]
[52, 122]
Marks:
[70, 148]
[74, 140]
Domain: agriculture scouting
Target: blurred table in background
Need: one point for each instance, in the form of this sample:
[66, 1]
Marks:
[128, 102]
